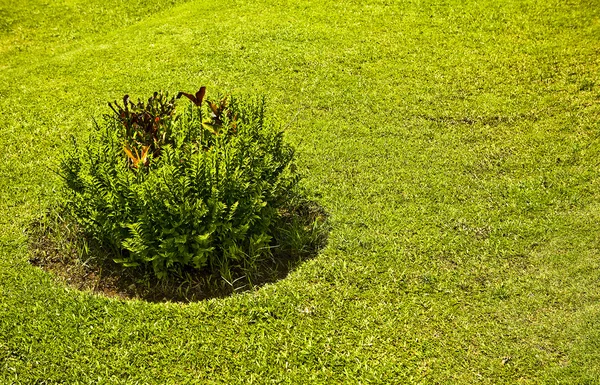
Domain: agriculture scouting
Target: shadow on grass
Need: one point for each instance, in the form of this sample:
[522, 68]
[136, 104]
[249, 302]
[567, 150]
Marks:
[57, 245]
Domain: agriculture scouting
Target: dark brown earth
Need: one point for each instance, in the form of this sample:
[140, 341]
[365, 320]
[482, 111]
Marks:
[59, 247]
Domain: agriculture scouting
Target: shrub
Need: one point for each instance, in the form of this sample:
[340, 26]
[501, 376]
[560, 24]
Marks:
[207, 188]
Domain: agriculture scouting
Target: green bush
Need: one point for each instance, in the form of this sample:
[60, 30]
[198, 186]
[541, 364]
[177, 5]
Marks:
[207, 188]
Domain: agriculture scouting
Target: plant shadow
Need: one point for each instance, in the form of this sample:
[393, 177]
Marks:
[58, 246]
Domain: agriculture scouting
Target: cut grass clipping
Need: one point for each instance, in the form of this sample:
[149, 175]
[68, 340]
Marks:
[179, 206]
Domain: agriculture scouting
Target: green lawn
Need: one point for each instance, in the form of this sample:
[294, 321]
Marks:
[455, 145]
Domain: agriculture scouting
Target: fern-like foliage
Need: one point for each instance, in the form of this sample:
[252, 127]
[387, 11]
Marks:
[204, 188]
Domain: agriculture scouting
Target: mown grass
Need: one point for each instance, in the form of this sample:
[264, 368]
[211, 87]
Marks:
[454, 144]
